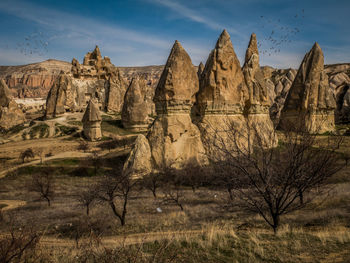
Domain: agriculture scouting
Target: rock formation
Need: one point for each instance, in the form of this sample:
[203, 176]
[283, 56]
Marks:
[200, 70]
[173, 139]
[10, 114]
[57, 97]
[281, 80]
[310, 99]
[222, 93]
[258, 103]
[33, 80]
[222, 88]
[97, 78]
[92, 122]
[339, 80]
[139, 161]
[136, 110]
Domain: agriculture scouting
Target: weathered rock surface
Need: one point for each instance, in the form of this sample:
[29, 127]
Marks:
[222, 95]
[96, 79]
[173, 139]
[33, 80]
[92, 122]
[200, 70]
[222, 89]
[310, 98]
[136, 108]
[258, 100]
[10, 113]
[258, 103]
[339, 80]
[139, 161]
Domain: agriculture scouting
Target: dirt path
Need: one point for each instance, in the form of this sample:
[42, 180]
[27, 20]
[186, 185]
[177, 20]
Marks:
[12, 204]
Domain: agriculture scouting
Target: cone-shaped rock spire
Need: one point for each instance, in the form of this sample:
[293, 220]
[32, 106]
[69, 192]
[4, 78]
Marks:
[222, 83]
[310, 97]
[178, 82]
[135, 108]
[92, 122]
[173, 139]
[254, 79]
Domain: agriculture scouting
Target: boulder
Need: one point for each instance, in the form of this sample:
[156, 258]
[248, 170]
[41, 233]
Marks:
[139, 161]
[310, 103]
[10, 114]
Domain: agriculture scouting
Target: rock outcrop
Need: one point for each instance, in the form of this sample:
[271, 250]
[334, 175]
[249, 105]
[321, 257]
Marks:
[33, 80]
[136, 110]
[222, 89]
[97, 78]
[281, 80]
[139, 161]
[258, 103]
[222, 93]
[200, 70]
[92, 122]
[339, 80]
[10, 113]
[310, 101]
[173, 139]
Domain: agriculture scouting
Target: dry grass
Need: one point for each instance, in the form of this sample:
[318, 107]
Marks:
[208, 230]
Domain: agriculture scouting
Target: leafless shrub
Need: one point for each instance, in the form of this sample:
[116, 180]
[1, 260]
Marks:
[115, 190]
[173, 187]
[43, 184]
[19, 244]
[28, 153]
[87, 197]
[273, 181]
[152, 182]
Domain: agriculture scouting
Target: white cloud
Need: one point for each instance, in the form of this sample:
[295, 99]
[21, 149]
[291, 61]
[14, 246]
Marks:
[71, 24]
[194, 15]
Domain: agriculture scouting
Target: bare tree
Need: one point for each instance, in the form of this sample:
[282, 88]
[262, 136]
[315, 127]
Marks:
[173, 187]
[115, 190]
[43, 184]
[152, 182]
[86, 198]
[28, 153]
[18, 244]
[269, 180]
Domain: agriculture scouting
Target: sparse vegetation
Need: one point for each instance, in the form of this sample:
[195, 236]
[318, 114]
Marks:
[27, 154]
[43, 184]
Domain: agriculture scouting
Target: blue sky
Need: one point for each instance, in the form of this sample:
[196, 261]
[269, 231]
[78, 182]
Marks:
[141, 32]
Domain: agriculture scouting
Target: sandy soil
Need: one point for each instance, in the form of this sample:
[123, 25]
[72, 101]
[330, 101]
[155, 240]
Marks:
[12, 204]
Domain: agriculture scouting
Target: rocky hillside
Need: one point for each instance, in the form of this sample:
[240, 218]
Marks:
[33, 80]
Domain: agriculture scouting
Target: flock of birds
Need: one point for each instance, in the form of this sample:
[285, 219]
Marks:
[37, 43]
[34, 44]
[280, 34]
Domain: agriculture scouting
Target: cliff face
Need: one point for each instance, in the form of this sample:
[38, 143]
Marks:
[33, 80]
